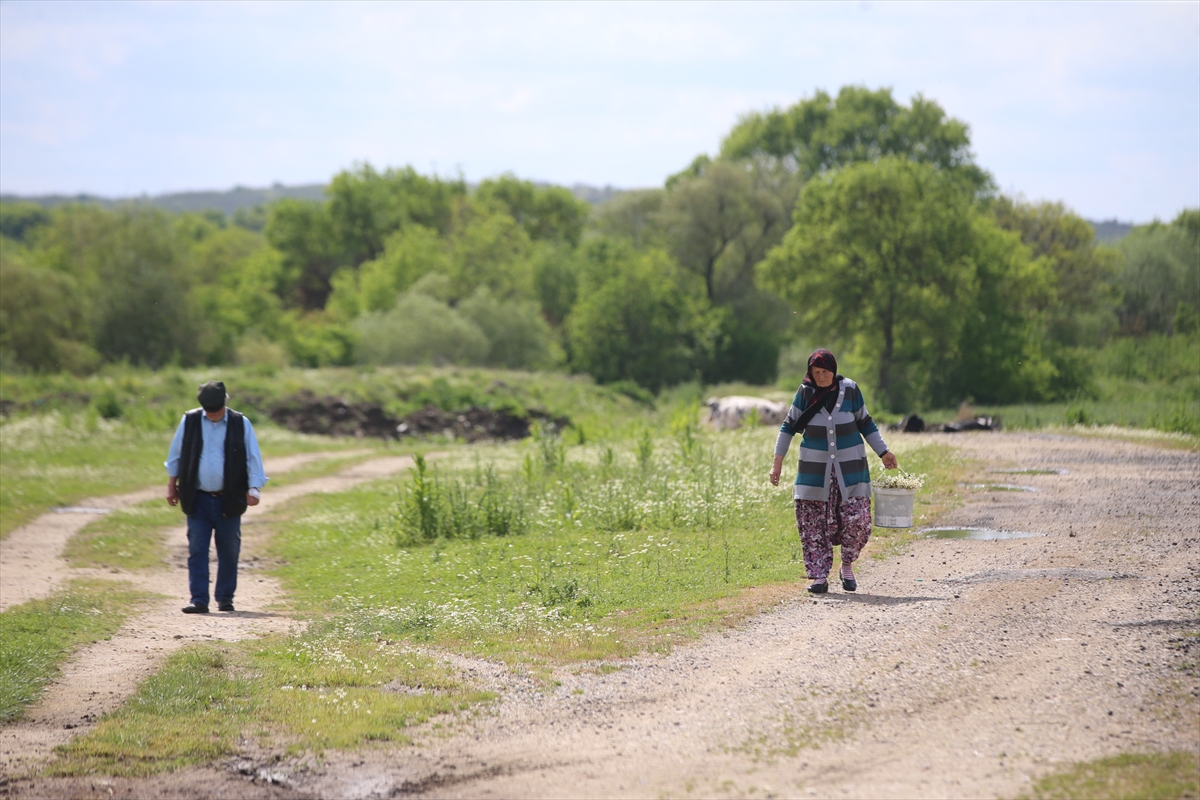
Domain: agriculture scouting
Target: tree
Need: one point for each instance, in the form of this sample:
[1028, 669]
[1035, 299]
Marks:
[636, 321]
[42, 325]
[1160, 276]
[132, 272]
[886, 258]
[632, 217]
[722, 220]
[366, 206]
[18, 221]
[1085, 294]
[820, 134]
[489, 249]
[547, 213]
[303, 233]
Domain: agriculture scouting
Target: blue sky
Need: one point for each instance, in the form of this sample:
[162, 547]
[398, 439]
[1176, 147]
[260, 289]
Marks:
[1097, 105]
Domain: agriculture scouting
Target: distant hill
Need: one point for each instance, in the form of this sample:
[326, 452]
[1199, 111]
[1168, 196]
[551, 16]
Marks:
[1111, 230]
[228, 202]
[241, 197]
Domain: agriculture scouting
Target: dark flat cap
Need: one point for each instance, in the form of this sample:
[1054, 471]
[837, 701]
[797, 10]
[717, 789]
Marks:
[212, 396]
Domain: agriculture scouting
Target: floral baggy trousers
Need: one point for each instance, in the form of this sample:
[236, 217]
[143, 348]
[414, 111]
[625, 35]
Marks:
[825, 523]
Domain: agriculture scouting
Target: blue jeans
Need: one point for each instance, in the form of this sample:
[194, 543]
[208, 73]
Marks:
[202, 522]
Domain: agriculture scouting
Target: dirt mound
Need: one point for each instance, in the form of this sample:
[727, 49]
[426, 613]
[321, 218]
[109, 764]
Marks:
[476, 423]
[332, 416]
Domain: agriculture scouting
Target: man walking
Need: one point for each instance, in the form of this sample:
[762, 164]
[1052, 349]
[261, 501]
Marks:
[216, 471]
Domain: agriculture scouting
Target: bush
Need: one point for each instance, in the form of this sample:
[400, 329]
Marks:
[452, 508]
[518, 336]
[419, 330]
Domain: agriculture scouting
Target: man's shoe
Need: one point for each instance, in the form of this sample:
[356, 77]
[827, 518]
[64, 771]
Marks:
[226, 605]
[195, 608]
[849, 584]
[819, 588]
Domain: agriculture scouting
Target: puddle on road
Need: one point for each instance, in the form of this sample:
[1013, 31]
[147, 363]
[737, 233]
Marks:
[1031, 471]
[974, 534]
[79, 510]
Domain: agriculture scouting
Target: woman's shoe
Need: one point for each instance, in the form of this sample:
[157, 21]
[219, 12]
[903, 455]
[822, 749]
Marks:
[849, 584]
[819, 588]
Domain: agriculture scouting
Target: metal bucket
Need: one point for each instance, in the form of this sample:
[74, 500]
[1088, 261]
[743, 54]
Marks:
[894, 507]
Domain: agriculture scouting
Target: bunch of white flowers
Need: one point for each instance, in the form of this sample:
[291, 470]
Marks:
[899, 479]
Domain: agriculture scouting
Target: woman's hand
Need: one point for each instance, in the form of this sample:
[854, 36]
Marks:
[889, 460]
[776, 469]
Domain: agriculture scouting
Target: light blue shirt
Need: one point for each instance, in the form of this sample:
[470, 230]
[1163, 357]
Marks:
[211, 476]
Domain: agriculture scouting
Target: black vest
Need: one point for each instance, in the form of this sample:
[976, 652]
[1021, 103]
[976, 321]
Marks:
[237, 476]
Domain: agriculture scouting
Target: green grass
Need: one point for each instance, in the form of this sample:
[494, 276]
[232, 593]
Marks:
[1130, 776]
[1173, 409]
[127, 539]
[36, 637]
[616, 557]
[322, 689]
[57, 459]
[52, 460]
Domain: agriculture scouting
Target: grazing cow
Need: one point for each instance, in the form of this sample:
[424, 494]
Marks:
[727, 413]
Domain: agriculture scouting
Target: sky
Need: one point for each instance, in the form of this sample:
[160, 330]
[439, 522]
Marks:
[1096, 105]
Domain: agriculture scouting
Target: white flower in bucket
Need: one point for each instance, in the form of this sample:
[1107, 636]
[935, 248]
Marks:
[894, 495]
[899, 479]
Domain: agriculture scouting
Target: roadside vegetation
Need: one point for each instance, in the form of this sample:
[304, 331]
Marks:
[544, 553]
[1130, 776]
[36, 637]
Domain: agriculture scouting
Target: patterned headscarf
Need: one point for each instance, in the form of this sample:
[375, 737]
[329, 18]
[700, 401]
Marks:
[827, 396]
[822, 359]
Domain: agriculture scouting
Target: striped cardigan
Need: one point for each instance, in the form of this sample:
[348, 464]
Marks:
[832, 441]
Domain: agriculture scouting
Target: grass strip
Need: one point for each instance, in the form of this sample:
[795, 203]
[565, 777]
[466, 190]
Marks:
[126, 539]
[58, 459]
[331, 687]
[1129, 776]
[36, 637]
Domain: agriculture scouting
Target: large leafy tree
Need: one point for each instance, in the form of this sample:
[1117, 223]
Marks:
[889, 259]
[823, 133]
[366, 206]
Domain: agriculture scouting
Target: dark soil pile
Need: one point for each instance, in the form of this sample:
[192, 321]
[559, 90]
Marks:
[475, 424]
[332, 416]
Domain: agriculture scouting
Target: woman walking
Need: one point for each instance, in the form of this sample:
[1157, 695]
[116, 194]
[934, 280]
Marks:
[833, 483]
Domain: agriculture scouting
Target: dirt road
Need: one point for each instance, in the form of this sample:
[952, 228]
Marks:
[99, 678]
[959, 669]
